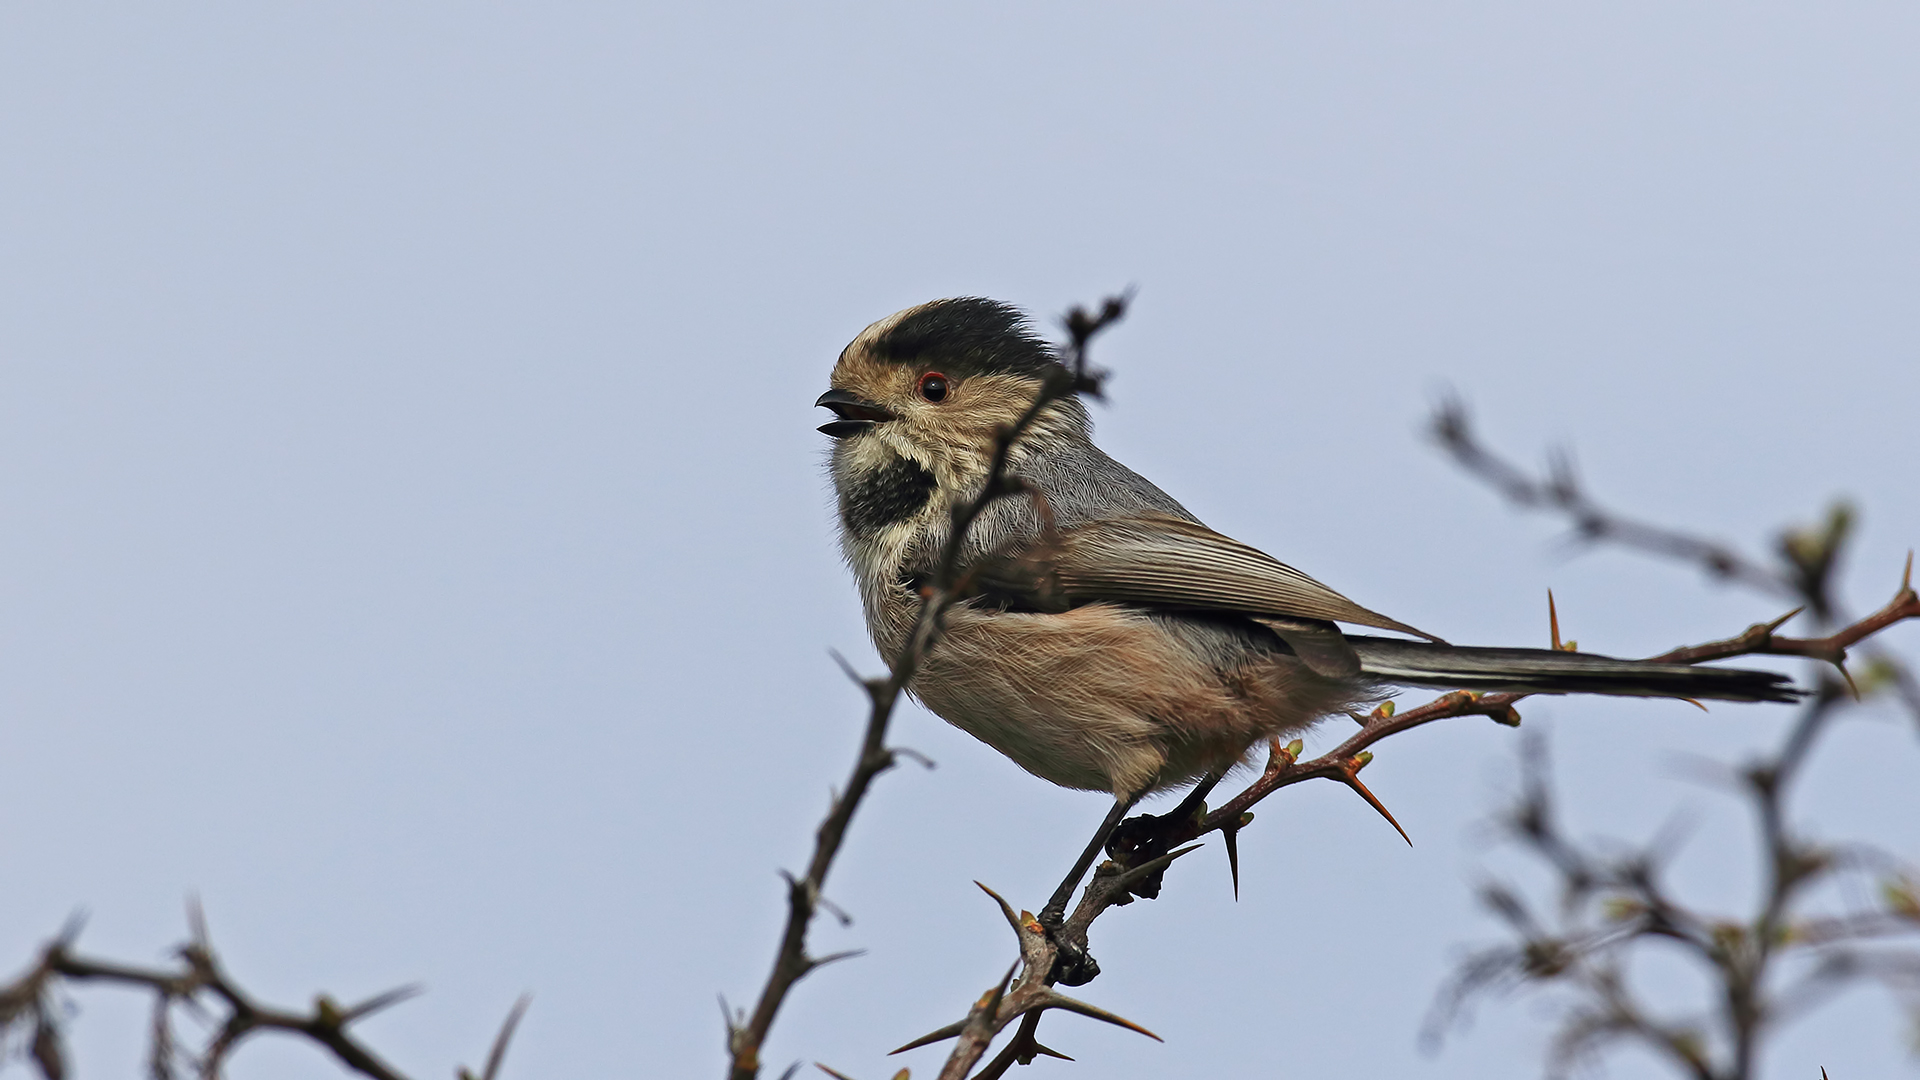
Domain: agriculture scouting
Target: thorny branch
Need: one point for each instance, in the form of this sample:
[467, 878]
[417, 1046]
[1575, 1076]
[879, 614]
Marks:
[1345, 760]
[201, 986]
[1141, 855]
[746, 1035]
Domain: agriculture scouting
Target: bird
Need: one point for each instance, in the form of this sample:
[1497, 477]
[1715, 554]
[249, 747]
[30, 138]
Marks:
[1108, 640]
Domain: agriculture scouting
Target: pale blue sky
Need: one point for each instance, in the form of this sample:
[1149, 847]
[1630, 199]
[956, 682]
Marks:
[416, 542]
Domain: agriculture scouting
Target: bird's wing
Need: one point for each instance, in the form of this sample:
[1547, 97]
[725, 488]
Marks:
[1168, 562]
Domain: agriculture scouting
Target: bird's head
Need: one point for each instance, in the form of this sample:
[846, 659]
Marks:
[934, 385]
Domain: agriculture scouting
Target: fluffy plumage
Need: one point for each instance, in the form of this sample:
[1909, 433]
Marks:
[1129, 648]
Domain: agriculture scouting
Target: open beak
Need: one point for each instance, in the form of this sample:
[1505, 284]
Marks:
[856, 414]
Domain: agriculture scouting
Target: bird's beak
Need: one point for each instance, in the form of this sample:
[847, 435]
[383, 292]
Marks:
[856, 414]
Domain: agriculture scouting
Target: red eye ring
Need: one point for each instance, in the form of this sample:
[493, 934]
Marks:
[934, 386]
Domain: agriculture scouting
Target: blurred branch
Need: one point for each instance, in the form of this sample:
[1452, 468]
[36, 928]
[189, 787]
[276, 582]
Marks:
[1560, 490]
[1610, 905]
[746, 1035]
[201, 985]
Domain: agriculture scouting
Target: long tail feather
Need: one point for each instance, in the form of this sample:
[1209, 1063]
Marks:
[1544, 671]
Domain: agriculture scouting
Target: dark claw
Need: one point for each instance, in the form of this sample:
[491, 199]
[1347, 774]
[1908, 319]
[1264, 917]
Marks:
[1144, 838]
[1072, 965]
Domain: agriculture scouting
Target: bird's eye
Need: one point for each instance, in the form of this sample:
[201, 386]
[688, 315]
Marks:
[933, 386]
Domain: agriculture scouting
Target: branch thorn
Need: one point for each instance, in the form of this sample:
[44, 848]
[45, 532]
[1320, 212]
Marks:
[1782, 620]
[70, 930]
[1348, 777]
[990, 1004]
[914, 756]
[499, 1052]
[1005, 908]
[847, 668]
[1048, 1051]
[1136, 873]
[1056, 1000]
[197, 922]
[381, 1001]
[839, 913]
[813, 964]
[934, 1036]
[1232, 837]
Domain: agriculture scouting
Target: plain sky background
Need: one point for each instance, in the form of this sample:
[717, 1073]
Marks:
[415, 540]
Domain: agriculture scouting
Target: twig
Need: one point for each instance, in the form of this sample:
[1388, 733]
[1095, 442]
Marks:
[1343, 761]
[200, 981]
[1560, 490]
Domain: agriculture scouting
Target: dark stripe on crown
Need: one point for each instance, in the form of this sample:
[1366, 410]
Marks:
[894, 492]
[967, 336]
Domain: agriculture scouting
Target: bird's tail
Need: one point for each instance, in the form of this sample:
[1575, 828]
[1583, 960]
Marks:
[1545, 671]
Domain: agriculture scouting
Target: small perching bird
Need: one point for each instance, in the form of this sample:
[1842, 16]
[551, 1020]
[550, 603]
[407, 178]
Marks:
[1111, 641]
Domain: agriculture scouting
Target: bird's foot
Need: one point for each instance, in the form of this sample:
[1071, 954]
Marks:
[1146, 837]
[1072, 964]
